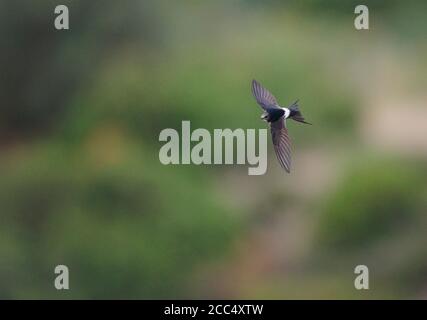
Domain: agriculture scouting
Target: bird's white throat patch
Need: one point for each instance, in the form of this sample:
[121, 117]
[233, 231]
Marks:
[198, 147]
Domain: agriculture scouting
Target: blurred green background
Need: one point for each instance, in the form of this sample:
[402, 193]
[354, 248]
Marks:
[81, 183]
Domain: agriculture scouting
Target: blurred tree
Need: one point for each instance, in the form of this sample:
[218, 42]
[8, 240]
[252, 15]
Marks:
[372, 200]
[43, 68]
[127, 230]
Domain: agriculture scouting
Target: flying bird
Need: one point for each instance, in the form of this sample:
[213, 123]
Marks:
[276, 116]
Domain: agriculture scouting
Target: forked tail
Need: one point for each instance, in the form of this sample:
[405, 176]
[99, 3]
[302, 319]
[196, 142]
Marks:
[296, 113]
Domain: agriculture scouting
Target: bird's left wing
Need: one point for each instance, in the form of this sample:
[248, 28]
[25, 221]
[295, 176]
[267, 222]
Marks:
[281, 143]
[264, 97]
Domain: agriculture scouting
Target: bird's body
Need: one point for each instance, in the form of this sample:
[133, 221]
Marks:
[276, 116]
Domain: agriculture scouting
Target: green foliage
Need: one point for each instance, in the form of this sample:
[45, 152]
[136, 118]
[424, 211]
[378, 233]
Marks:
[370, 202]
[81, 112]
[119, 225]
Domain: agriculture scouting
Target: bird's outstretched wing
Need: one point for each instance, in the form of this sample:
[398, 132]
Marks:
[281, 143]
[264, 97]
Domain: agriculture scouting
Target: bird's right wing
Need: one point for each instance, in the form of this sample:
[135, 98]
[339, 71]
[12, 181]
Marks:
[281, 143]
[264, 97]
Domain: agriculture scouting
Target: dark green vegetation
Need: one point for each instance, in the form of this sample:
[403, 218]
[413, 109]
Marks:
[81, 183]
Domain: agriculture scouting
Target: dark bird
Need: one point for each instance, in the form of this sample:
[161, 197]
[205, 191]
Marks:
[276, 116]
